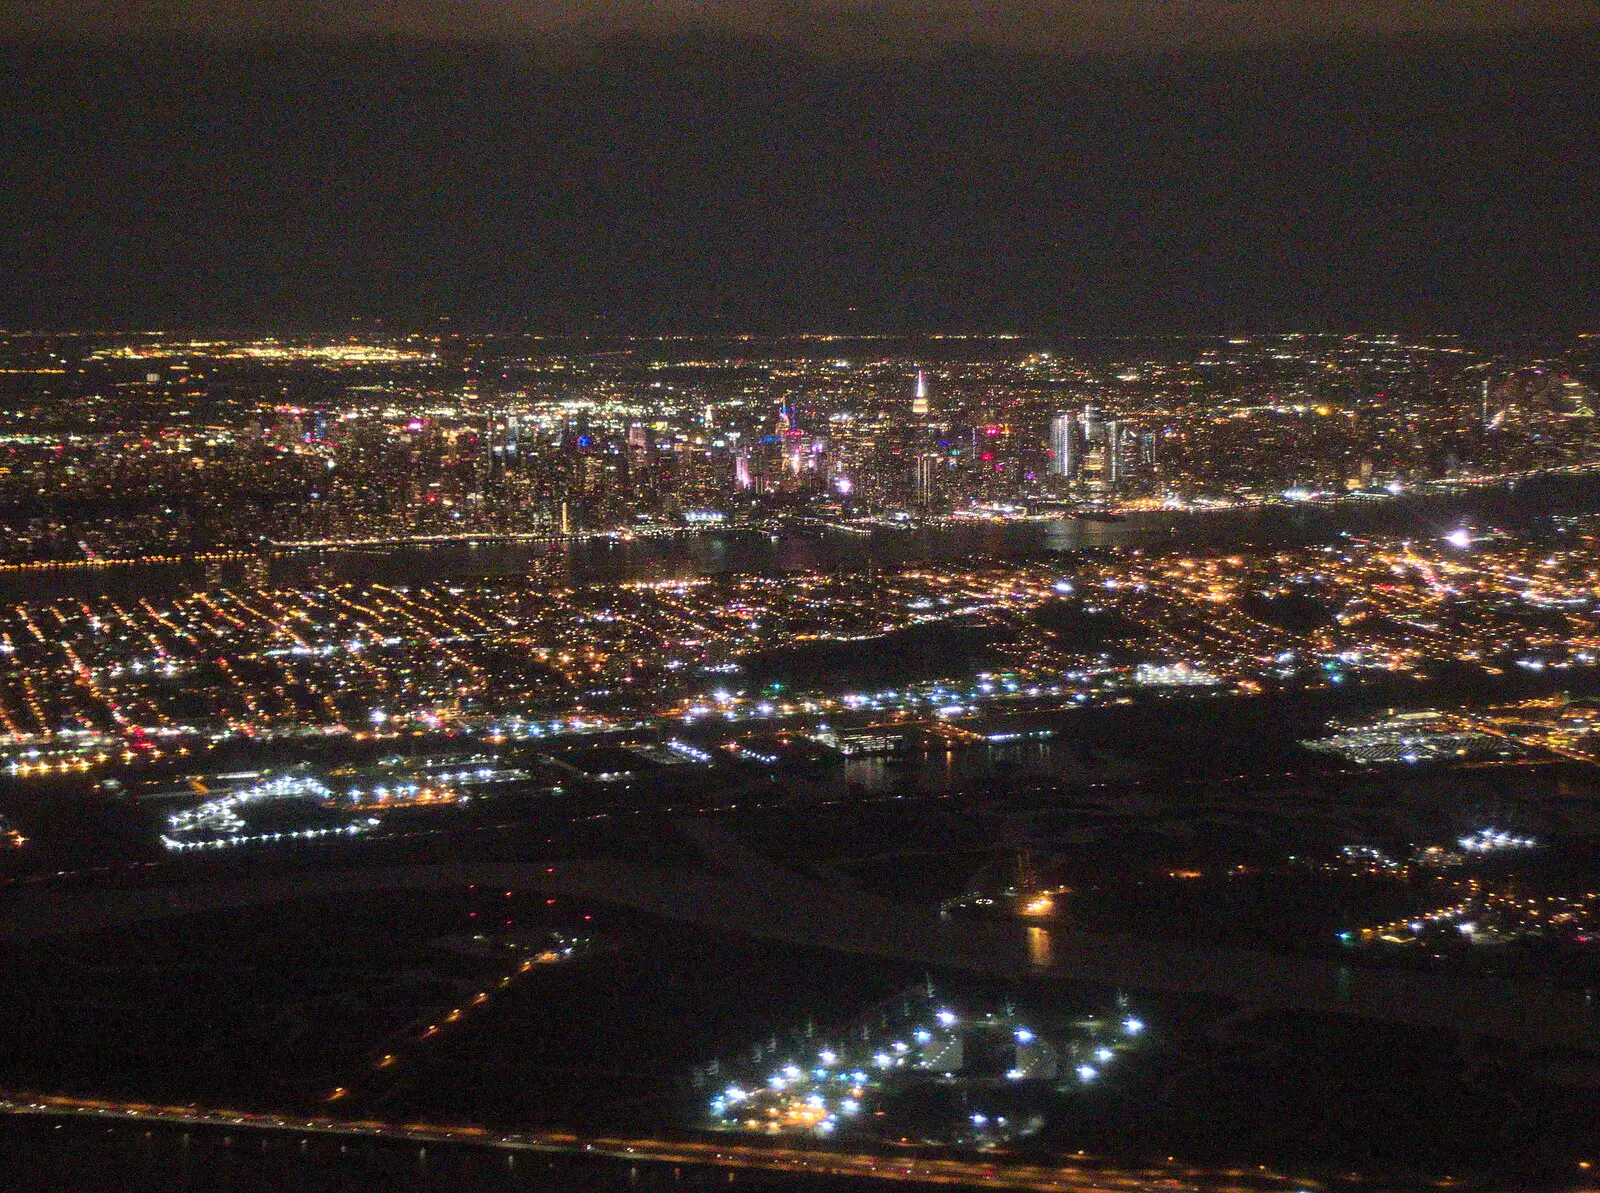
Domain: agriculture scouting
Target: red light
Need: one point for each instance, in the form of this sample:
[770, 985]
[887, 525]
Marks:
[986, 456]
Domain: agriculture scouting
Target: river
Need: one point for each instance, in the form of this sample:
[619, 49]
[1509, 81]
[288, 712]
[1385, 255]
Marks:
[1525, 506]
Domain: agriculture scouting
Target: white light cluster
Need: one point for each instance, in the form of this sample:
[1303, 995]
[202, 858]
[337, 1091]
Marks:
[678, 746]
[1490, 840]
[306, 834]
[221, 814]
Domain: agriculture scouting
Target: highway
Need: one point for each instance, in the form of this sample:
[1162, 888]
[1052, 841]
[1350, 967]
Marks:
[1081, 1175]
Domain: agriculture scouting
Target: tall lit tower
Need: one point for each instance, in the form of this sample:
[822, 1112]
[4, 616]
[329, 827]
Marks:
[927, 465]
[1064, 450]
[919, 400]
[1094, 425]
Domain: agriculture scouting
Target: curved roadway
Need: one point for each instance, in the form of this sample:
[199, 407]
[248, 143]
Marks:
[749, 895]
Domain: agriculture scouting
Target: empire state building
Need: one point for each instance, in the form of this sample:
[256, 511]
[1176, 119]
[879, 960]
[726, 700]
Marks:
[919, 402]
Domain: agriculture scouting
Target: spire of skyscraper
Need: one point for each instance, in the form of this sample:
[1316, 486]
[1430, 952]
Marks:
[919, 402]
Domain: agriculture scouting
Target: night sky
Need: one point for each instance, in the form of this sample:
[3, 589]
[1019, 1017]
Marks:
[763, 167]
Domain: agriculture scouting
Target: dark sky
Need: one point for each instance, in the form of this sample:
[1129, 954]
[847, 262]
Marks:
[778, 165]
[855, 27]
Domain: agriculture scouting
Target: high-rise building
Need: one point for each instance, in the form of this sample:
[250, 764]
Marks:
[1094, 425]
[1065, 451]
[919, 400]
[1086, 444]
[927, 476]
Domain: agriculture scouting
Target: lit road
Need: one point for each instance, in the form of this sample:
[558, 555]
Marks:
[751, 895]
[1081, 1175]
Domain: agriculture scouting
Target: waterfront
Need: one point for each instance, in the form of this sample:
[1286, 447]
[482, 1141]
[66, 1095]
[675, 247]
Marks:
[201, 1152]
[658, 598]
[48, 1156]
[1527, 506]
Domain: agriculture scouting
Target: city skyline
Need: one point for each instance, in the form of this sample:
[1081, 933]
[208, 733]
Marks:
[637, 597]
[143, 446]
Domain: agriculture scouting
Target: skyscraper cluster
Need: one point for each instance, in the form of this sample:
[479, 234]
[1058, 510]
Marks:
[1086, 445]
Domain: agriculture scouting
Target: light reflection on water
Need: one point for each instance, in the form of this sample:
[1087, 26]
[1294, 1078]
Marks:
[1038, 939]
[948, 770]
[1527, 505]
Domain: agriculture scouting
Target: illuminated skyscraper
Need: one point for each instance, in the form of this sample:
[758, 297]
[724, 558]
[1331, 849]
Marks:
[927, 474]
[919, 401]
[1094, 426]
[1065, 450]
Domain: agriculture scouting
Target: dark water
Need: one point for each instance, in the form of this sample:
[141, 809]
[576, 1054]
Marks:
[1527, 506]
[38, 1156]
